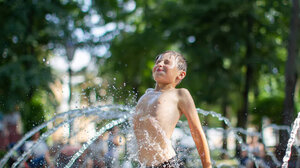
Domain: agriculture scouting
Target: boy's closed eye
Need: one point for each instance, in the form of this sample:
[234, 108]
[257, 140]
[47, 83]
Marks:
[166, 61]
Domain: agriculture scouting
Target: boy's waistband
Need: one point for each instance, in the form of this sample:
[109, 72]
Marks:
[174, 162]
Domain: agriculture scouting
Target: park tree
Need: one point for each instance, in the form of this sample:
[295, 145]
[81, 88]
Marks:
[31, 31]
[291, 75]
[229, 45]
[132, 52]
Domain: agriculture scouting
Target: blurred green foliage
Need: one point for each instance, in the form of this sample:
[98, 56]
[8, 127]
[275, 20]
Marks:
[271, 107]
[232, 49]
[30, 31]
[32, 115]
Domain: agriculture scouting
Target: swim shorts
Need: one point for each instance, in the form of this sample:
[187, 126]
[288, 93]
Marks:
[172, 163]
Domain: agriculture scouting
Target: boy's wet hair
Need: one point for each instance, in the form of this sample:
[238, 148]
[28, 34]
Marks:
[181, 61]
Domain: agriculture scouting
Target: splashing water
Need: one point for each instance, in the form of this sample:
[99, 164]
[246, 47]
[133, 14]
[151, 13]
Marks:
[121, 114]
[99, 133]
[239, 138]
[291, 141]
[106, 112]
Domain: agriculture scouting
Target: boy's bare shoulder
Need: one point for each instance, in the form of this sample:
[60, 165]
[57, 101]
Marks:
[185, 102]
[182, 92]
[184, 97]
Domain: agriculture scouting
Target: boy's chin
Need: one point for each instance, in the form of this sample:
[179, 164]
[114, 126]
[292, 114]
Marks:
[158, 78]
[161, 81]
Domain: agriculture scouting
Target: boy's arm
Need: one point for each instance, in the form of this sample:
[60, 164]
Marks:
[187, 106]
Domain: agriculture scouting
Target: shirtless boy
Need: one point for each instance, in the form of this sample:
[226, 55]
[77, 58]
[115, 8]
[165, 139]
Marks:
[158, 112]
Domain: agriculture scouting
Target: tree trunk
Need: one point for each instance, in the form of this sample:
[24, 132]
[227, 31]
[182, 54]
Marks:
[243, 113]
[290, 77]
[224, 113]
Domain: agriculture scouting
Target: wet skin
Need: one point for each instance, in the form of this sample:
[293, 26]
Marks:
[154, 123]
[158, 112]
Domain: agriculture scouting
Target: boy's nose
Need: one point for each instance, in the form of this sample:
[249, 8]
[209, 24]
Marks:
[160, 64]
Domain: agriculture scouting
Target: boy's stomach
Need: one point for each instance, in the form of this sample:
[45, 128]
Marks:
[154, 147]
[152, 155]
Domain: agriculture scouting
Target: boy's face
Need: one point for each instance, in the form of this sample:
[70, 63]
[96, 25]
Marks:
[165, 70]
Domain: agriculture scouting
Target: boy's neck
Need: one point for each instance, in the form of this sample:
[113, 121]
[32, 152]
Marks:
[164, 87]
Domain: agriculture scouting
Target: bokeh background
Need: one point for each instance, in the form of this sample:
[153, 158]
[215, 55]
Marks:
[59, 55]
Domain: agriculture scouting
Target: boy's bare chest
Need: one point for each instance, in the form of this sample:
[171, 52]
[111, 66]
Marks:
[157, 103]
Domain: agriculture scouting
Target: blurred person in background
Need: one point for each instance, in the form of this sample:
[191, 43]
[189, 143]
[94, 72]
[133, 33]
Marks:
[40, 156]
[97, 151]
[113, 142]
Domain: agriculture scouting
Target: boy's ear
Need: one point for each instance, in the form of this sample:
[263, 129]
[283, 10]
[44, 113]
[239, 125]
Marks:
[181, 75]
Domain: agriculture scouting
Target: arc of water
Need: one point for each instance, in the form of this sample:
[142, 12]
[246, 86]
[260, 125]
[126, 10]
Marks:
[276, 161]
[104, 108]
[35, 130]
[41, 139]
[28, 135]
[241, 130]
[283, 127]
[228, 123]
[260, 136]
[288, 151]
[102, 130]
[279, 127]
[214, 114]
[99, 133]
[244, 147]
[77, 112]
